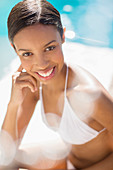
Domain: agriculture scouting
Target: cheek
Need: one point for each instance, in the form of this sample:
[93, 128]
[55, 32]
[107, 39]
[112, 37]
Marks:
[26, 65]
[59, 56]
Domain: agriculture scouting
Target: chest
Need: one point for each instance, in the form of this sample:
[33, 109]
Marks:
[84, 108]
[53, 102]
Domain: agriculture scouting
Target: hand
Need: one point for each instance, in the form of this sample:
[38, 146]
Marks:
[21, 83]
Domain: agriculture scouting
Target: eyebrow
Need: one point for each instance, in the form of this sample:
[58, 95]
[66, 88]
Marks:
[50, 43]
[44, 46]
[23, 50]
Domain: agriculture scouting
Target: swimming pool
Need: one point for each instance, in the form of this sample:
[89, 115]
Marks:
[89, 27]
[88, 22]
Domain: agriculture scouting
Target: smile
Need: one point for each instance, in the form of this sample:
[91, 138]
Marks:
[46, 75]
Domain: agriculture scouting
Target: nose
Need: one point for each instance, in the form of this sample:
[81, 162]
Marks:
[40, 62]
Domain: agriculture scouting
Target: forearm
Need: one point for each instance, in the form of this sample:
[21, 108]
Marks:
[105, 164]
[10, 121]
[12, 166]
[8, 137]
[33, 158]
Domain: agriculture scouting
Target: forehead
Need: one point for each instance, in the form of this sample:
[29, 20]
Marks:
[36, 33]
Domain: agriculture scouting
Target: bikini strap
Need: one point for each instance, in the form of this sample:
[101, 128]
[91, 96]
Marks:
[41, 99]
[40, 91]
[66, 81]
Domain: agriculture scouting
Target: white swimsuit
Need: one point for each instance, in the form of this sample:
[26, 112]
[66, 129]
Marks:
[69, 126]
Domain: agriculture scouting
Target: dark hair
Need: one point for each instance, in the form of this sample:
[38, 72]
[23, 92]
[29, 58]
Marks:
[29, 12]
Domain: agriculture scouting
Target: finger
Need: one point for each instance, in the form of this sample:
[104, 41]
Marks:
[20, 68]
[27, 77]
[28, 84]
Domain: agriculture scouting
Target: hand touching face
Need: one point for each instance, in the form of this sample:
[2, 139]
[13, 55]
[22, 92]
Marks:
[39, 48]
[21, 83]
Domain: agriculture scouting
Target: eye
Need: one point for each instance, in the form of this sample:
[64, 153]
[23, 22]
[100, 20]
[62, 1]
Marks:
[50, 48]
[27, 54]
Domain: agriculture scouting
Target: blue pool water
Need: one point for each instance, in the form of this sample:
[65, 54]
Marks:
[88, 22]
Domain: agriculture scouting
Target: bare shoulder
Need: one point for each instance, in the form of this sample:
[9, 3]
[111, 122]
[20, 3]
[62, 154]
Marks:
[82, 92]
[90, 98]
[82, 81]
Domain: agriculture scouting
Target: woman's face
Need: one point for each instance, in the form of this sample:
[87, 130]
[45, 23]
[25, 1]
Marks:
[40, 50]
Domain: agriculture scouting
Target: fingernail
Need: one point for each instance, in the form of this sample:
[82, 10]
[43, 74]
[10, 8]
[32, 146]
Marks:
[33, 90]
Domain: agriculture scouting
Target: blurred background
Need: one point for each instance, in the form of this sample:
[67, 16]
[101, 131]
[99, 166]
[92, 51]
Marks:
[89, 43]
[87, 22]
[89, 40]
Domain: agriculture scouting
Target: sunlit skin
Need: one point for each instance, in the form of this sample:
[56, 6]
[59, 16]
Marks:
[39, 48]
[39, 52]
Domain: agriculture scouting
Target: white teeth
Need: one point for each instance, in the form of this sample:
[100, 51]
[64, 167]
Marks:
[46, 74]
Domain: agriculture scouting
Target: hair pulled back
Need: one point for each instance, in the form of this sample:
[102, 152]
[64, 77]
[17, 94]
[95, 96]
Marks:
[30, 12]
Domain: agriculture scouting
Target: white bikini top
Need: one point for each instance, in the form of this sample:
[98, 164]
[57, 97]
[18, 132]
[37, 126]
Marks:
[71, 129]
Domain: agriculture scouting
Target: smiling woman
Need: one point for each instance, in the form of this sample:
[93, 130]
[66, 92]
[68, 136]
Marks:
[73, 103]
[42, 60]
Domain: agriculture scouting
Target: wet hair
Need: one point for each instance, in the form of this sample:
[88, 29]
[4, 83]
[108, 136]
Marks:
[30, 12]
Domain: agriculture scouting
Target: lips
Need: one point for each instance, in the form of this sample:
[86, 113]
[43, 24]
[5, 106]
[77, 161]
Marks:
[46, 75]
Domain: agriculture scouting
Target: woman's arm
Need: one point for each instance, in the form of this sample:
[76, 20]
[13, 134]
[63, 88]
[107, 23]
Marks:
[23, 87]
[103, 111]
[22, 83]
[36, 157]
[10, 121]
[9, 136]
[33, 157]
[105, 164]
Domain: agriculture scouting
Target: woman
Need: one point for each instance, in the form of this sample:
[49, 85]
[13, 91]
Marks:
[70, 93]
